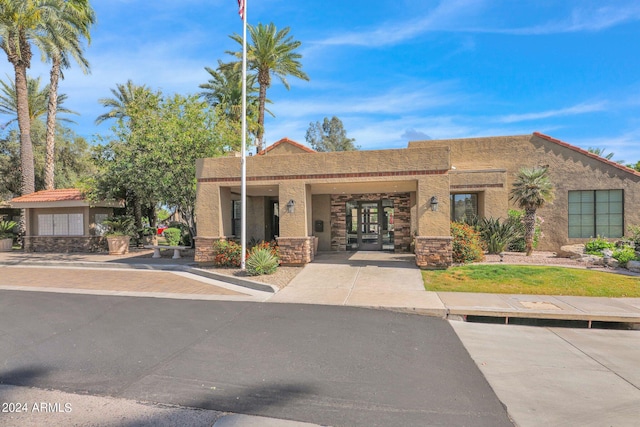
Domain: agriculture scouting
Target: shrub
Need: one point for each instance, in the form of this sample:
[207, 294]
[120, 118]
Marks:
[595, 246]
[466, 243]
[633, 233]
[261, 261]
[624, 255]
[173, 236]
[185, 233]
[226, 254]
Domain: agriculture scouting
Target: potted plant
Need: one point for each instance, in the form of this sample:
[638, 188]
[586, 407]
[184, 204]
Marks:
[6, 235]
[119, 234]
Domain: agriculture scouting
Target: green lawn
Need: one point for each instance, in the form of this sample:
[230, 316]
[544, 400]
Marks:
[518, 279]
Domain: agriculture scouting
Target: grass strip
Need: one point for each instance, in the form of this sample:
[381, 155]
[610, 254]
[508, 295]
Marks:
[531, 280]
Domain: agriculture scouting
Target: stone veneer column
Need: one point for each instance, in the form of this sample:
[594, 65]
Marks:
[434, 252]
[295, 250]
[204, 249]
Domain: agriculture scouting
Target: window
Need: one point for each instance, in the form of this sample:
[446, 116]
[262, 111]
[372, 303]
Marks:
[61, 224]
[236, 214]
[463, 206]
[596, 213]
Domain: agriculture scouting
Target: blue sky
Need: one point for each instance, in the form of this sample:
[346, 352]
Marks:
[393, 70]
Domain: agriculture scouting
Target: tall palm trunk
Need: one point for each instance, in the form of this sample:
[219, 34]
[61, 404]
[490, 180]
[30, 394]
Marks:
[529, 220]
[49, 165]
[264, 80]
[24, 124]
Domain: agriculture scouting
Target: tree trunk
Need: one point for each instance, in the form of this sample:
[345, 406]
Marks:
[24, 123]
[529, 220]
[49, 165]
[263, 81]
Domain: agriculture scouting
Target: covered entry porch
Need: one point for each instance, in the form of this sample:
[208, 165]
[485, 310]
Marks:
[340, 201]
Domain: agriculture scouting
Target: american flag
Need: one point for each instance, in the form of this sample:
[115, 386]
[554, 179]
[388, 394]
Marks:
[241, 8]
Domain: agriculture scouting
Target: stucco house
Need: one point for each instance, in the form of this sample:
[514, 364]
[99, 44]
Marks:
[63, 220]
[399, 199]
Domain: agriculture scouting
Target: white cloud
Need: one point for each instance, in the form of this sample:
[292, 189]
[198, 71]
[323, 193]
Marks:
[570, 111]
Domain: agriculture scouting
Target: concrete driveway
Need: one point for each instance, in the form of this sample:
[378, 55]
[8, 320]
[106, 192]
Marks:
[362, 279]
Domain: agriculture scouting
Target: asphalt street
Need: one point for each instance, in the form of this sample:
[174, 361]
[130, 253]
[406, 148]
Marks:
[327, 365]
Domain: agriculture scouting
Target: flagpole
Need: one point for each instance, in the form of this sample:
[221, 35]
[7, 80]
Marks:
[243, 179]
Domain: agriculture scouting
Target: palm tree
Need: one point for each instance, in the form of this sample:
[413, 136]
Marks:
[38, 101]
[224, 91]
[123, 96]
[531, 190]
[77, 16]
[23, 22]
[271, 52]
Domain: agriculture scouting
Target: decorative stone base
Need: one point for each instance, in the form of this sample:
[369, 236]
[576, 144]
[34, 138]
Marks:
[204, 249]
[434, 252]
[295, 250]
[65, 244]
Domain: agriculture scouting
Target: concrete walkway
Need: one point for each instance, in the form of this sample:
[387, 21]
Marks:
[363, 279]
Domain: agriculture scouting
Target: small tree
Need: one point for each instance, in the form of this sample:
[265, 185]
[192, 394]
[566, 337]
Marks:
[329, 136]
[531, 190]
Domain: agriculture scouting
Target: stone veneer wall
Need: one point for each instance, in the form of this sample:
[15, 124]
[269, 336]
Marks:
[65, 244]
[204, 249]
[295, 250]
[434, 252]
[401, 218]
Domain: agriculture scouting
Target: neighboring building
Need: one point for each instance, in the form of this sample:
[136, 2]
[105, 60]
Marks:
[63, 221]
[401, 199]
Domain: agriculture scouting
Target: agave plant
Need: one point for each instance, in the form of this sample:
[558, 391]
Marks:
[6, 229]
[496, 235]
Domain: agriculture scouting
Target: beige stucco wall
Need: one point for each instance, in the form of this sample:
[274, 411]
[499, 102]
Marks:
[294, 224]
[569, 169]
[322, 212]
[306, 164]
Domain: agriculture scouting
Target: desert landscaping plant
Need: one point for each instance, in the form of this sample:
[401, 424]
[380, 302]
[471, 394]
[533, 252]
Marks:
[261, 261]
[597, 245]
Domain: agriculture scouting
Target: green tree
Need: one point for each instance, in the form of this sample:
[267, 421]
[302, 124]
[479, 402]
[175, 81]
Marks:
[329, 136]
[531, 190]
[270, 53]
[77, 16]
[38, 101]
[73, 156]
[150, 161]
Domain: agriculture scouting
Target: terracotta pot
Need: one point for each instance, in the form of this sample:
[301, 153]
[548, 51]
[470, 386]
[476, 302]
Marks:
[118, 245]
[6, 244]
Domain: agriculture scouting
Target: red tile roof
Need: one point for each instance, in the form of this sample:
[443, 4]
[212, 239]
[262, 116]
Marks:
[61, 195]
[285, 140]
[586, 153]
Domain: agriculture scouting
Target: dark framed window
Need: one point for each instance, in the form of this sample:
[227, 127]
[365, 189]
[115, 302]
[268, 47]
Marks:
[236, 215]
[596, 213]
[463, 206]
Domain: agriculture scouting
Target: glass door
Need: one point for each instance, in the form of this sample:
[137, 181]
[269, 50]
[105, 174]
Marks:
[369, 237]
